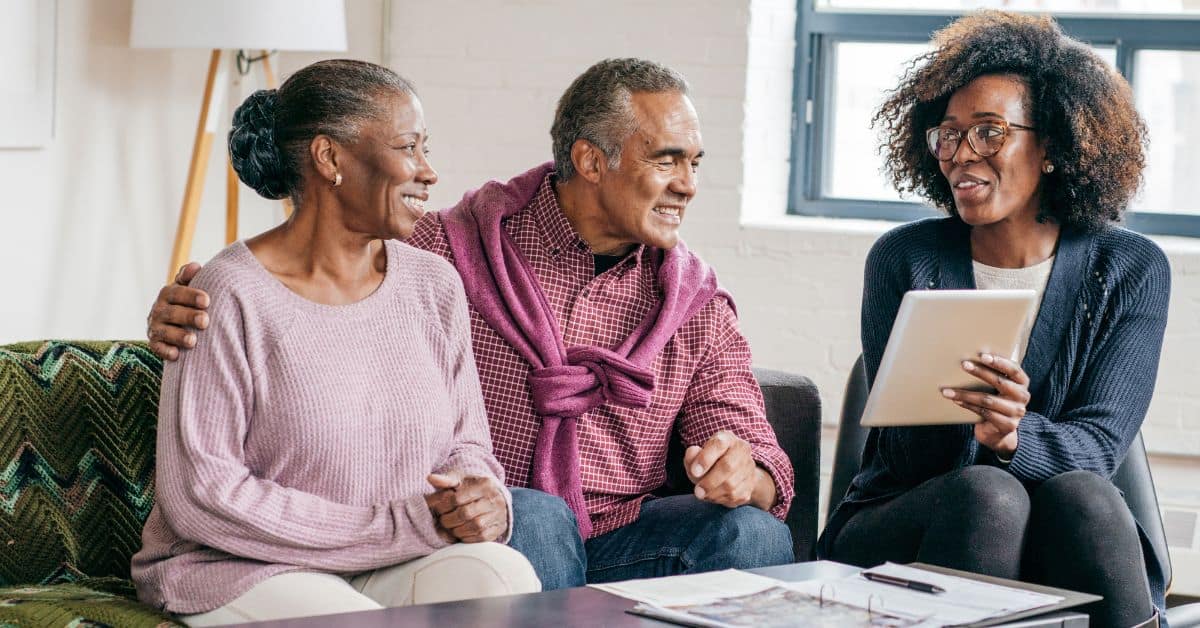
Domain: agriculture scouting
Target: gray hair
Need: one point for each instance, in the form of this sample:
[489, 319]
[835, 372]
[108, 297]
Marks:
[596, 107]
[272, 129]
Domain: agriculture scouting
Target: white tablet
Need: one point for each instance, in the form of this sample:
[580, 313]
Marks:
[934, 332]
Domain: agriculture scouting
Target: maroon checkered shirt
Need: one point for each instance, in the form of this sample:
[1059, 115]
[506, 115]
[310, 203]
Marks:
[702, 376]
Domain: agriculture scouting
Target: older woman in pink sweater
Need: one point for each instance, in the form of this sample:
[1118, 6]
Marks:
[305, 465]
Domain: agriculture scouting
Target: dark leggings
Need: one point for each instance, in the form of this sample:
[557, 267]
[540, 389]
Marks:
[1074, 531]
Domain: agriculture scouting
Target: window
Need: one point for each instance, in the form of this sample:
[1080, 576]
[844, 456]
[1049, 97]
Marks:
[849, 52]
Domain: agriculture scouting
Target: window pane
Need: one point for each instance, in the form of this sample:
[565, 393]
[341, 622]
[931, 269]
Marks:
[1108, 53]
[860, 80]
[1161, 7]
[1167, 86]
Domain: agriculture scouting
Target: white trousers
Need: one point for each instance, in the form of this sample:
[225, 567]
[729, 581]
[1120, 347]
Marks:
[459, 572]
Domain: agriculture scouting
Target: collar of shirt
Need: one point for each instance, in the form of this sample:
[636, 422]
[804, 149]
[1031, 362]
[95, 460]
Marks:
[557, 233]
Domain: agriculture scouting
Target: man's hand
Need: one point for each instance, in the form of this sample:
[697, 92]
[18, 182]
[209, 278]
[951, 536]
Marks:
[175, 313]
[470, 509]
[725, 473]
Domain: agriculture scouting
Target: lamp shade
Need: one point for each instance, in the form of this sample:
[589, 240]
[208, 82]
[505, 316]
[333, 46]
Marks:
[238, 24]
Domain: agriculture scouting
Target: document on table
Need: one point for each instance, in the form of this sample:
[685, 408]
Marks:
[731, 598]
[965, 601]
[691, 589]
[738, 598]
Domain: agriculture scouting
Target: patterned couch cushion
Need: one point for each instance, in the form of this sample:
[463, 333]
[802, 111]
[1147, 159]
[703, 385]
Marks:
[77, 429]
[93, 602]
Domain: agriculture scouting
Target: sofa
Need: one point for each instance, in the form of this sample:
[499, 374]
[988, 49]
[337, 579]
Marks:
[77, 435]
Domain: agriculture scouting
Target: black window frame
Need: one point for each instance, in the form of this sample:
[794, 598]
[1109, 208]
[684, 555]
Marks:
[818, 30]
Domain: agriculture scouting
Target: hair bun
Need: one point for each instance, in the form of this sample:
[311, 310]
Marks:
[252, 149]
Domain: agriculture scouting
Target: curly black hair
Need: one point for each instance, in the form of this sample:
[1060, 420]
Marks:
[1083, 110]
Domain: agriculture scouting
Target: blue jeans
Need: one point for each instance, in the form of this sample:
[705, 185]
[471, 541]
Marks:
[544, 530]
[673, 535]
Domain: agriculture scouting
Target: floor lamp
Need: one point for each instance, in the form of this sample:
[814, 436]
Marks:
[241, 30]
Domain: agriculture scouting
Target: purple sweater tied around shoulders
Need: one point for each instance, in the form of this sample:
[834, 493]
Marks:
[565, 382]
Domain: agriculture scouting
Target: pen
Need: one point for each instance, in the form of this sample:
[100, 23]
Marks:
[903, 582]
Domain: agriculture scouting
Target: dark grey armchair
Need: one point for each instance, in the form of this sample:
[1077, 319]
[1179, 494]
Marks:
[1132, 477]
[794, 411]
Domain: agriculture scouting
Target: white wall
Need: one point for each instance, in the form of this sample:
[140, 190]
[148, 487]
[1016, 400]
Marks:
[87, 222]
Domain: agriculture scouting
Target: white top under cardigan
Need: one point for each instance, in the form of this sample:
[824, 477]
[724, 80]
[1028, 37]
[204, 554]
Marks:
[1028, 278]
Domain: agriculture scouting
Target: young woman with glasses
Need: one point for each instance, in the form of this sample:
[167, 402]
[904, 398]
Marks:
[1031, 143]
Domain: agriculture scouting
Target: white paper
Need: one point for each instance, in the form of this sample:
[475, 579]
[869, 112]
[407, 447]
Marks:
[965, 601]
[777, 607]
[691, 589]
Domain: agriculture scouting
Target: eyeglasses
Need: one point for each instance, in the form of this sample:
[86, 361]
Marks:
[985, 138]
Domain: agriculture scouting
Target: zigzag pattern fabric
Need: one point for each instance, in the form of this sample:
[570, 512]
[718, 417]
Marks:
[77, 437]
[94, 603]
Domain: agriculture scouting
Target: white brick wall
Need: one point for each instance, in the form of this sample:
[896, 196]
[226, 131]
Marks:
[490, 72]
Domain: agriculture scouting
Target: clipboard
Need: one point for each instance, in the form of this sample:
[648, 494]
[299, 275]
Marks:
[1070, 599]
[747, 605]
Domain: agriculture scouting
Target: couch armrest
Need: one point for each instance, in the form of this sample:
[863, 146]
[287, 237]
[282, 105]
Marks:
[794, 412]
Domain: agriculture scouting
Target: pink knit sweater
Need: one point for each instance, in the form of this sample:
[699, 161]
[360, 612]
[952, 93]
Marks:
[297, 435]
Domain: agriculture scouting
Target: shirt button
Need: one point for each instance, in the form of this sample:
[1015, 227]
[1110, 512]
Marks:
[554, 251]
[930, 284]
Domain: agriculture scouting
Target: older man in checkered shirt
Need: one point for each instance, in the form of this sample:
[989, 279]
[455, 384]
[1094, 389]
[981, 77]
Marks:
[627, 148]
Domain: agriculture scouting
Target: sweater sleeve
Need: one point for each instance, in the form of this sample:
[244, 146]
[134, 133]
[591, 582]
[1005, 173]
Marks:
[207, 493]
[1103, 414]
[471, 453]
[910, 454]
[724, 395]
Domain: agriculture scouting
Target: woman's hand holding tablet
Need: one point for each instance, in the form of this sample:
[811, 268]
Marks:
[968, 342]
[1000, 410]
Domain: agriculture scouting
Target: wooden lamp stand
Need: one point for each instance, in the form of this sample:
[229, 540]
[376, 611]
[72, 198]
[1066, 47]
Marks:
[210, 112]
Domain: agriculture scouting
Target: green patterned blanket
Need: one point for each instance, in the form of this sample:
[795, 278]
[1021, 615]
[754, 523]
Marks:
[77, 429]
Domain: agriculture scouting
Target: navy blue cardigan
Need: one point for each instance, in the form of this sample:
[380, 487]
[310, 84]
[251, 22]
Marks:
[1092, 359]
